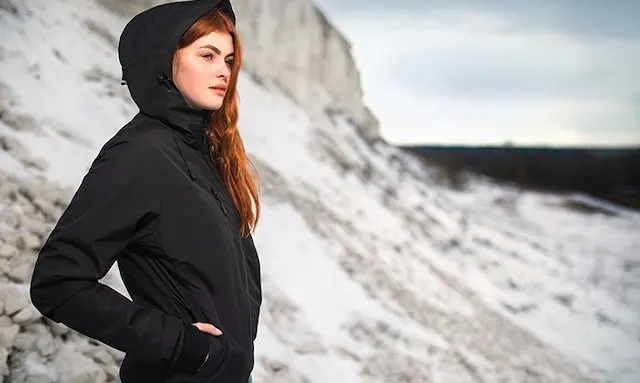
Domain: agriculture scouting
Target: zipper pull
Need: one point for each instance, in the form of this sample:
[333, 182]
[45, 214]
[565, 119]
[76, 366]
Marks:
[215, 194]
[163, 80]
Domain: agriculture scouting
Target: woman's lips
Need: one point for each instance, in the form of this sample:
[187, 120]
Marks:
[220, 90]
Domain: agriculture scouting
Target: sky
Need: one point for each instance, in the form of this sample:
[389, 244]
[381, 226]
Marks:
[488, 72]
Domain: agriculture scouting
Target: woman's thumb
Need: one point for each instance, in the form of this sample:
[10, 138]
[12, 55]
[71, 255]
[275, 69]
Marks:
[208, 328]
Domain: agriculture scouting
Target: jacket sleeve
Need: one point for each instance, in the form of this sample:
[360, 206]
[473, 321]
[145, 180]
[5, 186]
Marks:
[117, 196]
[255, 283]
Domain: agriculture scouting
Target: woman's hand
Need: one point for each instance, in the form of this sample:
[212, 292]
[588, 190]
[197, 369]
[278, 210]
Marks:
[208, 328]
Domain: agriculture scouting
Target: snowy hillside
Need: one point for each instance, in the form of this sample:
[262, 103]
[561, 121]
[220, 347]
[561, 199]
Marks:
[374, 270]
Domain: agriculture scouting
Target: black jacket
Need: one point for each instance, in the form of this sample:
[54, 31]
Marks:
[154, 202]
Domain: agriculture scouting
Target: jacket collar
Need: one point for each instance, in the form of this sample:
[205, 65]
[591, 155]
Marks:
[190, 122]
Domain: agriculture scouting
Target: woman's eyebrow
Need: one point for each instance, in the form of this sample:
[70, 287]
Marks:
[213, 48]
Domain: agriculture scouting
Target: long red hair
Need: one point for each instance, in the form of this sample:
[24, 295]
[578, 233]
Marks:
[227, 147]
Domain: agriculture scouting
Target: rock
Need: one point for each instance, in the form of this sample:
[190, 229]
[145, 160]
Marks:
[4, 354]
[25, 341]
[38, 328]
[58, 329]
[113, 372]
[39, 378]
[20, 272]
[37, 370]
[8, 335]
[7, 188]
[12, 146]
[36, 163]
[280, 371]
[7, 251]
[27, 315]
[28, 188]
[311, 347]
[46, 345]
[49, 211]
[4, 270]
[117, 354]
[36, 227]
[14, 299]
[28, 210]
[10, 218]
[102, 356]
[10, 237]
[28, 241]
[77, 368]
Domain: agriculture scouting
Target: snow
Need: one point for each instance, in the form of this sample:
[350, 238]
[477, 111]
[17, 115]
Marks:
[385, 265]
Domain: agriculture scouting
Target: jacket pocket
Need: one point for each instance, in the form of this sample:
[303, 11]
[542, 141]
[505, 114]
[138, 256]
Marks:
[206, 308]
[217, 355]
[232, 358]
[200, 305]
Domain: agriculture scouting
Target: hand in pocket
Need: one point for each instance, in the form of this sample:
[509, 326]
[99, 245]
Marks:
[209, 329]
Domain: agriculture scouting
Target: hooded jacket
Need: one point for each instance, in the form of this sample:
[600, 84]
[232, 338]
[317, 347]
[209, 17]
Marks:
[154, 202]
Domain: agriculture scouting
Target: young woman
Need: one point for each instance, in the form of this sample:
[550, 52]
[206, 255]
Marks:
[171, 197]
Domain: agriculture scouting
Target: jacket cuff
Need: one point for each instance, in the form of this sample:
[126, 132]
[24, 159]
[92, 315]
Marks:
[195, 346]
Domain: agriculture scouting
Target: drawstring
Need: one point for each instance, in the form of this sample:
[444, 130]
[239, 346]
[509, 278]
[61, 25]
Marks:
[164, 81]
[186, 164]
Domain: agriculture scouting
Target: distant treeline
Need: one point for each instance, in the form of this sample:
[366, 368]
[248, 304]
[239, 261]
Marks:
[610, 174]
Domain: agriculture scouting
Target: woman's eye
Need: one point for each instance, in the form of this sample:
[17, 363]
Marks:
[208, 56]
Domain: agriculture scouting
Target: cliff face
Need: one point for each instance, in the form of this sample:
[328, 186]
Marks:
[292, 44]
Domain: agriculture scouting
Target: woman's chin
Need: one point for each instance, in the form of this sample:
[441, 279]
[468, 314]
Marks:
[209, 105]
[213, 104]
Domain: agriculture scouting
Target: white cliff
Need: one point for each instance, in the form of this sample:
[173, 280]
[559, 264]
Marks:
[291, 43]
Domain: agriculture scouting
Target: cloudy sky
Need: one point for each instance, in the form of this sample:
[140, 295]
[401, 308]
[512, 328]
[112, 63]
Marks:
[545, 72]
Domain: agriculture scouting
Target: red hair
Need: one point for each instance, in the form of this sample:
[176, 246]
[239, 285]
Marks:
[227, 147]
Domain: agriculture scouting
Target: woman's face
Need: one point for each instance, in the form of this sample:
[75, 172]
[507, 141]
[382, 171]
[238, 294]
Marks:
[201, 70]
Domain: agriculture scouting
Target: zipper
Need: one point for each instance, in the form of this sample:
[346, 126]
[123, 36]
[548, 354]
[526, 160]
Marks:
[244, 259]
[204, 151]
[224, 209]
[207, 158]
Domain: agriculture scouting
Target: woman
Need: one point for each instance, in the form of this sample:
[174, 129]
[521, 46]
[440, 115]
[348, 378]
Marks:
[170, 197]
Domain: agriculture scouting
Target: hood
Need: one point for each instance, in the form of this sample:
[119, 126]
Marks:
[146, 50]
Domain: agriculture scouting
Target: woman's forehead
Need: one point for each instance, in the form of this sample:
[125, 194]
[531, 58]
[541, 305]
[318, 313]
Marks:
[221, 42]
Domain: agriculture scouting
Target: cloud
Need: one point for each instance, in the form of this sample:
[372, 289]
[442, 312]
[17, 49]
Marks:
[461, 57]
[587, 18]
[476, 76]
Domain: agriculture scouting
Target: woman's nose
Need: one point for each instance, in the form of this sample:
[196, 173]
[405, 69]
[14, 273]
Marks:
[222, 70]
